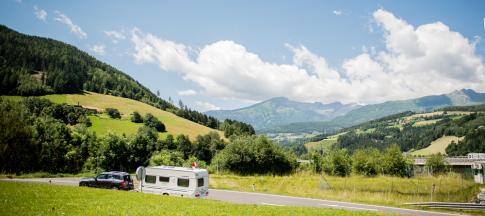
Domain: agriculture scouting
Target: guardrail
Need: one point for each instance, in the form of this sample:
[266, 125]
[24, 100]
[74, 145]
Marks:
[448, 205]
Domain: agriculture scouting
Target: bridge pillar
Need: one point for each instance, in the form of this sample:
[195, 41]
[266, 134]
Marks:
[478, 172]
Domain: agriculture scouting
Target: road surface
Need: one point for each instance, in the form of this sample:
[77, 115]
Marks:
[268, 199]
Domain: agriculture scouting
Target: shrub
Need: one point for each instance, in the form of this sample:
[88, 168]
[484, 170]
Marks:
[337, 162]
[136, 117]
[153, 122]
[436, 163]
[113, 113]
[366, 162]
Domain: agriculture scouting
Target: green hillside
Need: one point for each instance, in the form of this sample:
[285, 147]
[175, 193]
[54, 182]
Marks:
[454, 131]
[103, 124]
[31, 65]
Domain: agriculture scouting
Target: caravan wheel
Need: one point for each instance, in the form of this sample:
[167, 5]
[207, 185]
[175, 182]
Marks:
[165, 194]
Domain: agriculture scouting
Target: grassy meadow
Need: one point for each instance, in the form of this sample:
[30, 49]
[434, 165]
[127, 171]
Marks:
[382, 190]
[102, 125]
[438, 146]
[43, 199]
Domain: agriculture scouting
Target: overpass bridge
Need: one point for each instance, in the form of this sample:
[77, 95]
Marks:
[474, 161]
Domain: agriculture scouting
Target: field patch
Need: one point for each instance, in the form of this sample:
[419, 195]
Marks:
[438, 146]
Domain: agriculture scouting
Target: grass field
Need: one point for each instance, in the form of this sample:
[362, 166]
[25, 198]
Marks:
[42, 199]
[174, 124]
[425, 122]
[437, 146]
[383, 190]
[325, 143]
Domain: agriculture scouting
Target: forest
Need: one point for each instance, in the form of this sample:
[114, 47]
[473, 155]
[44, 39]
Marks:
[31, 65]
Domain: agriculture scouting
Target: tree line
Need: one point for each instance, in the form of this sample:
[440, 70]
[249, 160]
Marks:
[38, 135]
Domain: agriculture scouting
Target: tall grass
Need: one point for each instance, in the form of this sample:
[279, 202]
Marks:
[383, 190]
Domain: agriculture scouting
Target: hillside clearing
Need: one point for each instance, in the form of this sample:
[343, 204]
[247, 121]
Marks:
[438, 146]
[174, 125]
[40, 199]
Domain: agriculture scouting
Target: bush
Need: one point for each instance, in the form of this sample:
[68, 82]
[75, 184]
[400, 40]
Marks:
[394, 163]
[113, 113]
[166, 158]
[366, 162]
[153, 122]
[337, 162]
[136, 117]
[255, 155]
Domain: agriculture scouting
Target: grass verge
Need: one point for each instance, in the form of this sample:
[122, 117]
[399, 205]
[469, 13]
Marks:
[40, 199]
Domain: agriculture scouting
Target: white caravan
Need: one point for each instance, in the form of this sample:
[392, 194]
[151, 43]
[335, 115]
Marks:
[178, 181]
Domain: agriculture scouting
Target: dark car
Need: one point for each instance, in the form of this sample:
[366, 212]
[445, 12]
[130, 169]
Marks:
[112, 180]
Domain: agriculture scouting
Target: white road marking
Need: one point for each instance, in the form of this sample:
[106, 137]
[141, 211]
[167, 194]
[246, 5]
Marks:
[347, 207]
[271, 204]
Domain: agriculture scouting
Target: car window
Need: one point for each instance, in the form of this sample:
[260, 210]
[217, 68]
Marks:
[150, 179]
[116, 177]
[200, 182]
[163, 179]
[183, 182]
[102, 176]
[127, 178]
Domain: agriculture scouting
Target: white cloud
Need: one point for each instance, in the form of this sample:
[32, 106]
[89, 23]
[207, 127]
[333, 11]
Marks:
[415, 61]
[40, 13]
[206, 106]
[337, 12]
[75, 29]
[99, 49]
[188, 92]
[115, 36]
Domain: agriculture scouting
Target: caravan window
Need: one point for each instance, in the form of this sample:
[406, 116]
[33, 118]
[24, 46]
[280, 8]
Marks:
[200, 182]
[183, 182]
[163, 179]
[150, 179]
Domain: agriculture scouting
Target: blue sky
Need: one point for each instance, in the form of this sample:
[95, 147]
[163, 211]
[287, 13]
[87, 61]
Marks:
[225, 55]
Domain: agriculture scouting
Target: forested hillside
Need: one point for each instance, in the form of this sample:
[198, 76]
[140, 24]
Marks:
[412, 131]
[31, 65]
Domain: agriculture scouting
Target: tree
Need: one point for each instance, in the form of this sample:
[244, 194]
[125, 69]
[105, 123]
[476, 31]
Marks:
[141, 147]
[184, 145]
[136, 117]
[151, 121]
[436, 163]
[337, 162]
[115, 153]
[113, 113]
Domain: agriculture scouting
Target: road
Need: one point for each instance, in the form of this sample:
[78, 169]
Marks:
[268, 199]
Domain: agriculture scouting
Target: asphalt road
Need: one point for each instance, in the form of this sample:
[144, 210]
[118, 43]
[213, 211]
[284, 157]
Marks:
[268, 199]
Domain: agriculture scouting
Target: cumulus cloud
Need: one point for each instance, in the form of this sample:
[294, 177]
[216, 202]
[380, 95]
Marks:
[416, 61]
[188, 92]
[337, 12]
[40, 13]
[206, 106]
[75, 29]
[115, 36]
[99, 49]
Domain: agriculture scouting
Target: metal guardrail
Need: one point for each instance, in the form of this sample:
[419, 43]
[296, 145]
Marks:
[448, 205]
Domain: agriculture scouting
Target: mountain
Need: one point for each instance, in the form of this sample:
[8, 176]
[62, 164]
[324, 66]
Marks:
[32, 65]
[365, 113]
[281, 110]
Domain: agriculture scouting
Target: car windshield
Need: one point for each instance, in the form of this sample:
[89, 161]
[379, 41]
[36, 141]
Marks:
[102, 176]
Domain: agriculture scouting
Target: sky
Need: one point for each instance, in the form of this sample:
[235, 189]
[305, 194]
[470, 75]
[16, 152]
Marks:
[230, 54]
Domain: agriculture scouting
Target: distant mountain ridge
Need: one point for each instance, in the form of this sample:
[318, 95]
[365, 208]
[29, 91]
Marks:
[463, 97]
[281, 110]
